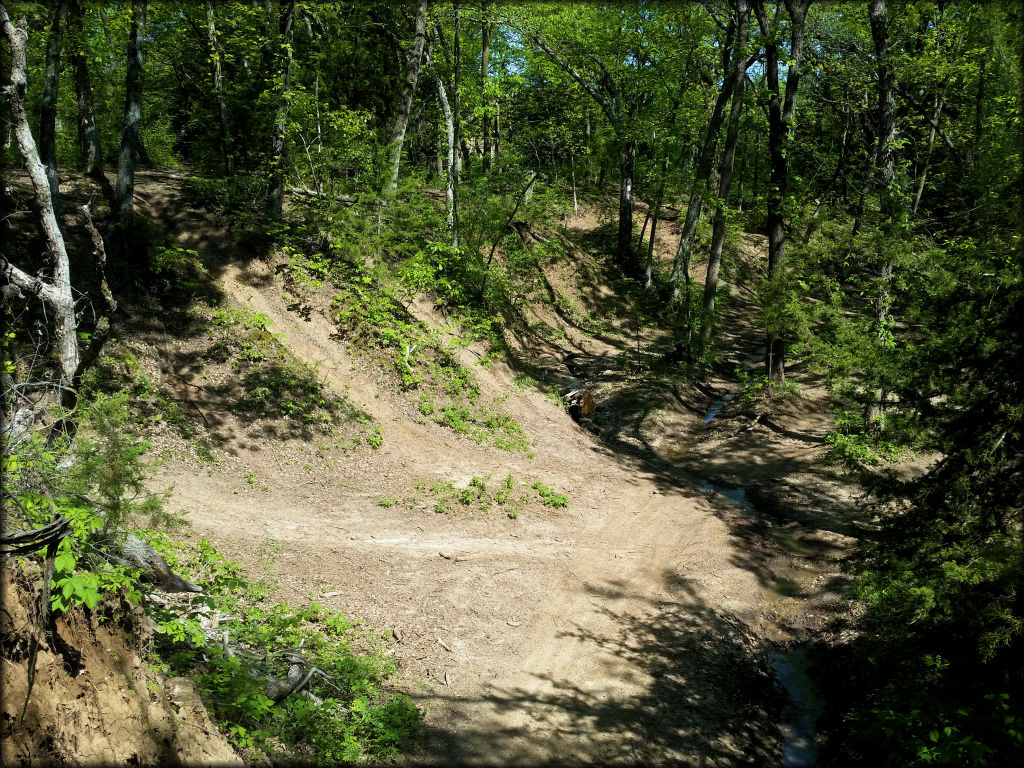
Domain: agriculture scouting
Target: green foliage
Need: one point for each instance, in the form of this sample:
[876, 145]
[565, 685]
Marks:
[549, 497]
[351, 714]
[97, 483]
[275, 385]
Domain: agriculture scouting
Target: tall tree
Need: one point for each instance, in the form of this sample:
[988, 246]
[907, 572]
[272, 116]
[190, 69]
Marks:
[412, 73]
[88, 132]
[704, 166]
[485, 67]
[125, 190]
[283, 79]
[725, 169]
[781, 114]
[227, 150]
[889, 201]
[51, 89]
[55, 291]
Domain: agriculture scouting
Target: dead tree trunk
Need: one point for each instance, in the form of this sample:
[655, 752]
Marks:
[412, 73]
[55, 291]
[125, 191]
[725, 170]
[275, 197]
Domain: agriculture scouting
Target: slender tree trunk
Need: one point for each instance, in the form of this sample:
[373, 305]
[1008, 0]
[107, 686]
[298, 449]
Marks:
[125, 191]
[725, 170]
[627, 163]
[927, 158]
[55, 292]
[226, 148]
[405, 103]
[88, 133]
[496, 144]
[485, 63]
[658, 199]
[460, 145]
[780, 135]
[48, 110]
[701, 181]
[885, 163]
[451, 172]
[275, 197]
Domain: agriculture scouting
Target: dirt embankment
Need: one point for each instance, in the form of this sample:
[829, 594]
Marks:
[98, 702]
[632, 626]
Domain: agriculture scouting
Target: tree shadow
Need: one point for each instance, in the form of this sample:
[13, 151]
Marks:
[692, 688]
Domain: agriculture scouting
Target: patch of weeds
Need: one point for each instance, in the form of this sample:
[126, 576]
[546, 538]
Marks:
[851, 445]
[476, 496]
[549, 497]
[120, 372]
[752, 388]
[387, 501]
[375, 438]
[350, 714]
[254, 481]
[274, 384]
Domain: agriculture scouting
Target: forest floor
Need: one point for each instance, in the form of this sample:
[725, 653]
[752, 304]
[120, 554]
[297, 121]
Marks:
[638, 624]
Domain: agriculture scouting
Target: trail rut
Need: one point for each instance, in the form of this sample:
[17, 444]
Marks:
[616, 630]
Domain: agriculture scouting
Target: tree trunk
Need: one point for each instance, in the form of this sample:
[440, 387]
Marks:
[701, 181]
[780, 135]
[405, 104]
[275, 196]
[451, 172]
[927, 158]
[627, 162]
[725, 170]
[485, 63]
[885, 163]
[462, 158]
[55, 292]
[125, 192]
[226, 147]
[88, 133]
[48, 109]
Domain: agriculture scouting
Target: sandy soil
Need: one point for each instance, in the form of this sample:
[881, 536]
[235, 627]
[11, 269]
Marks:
[632, 626]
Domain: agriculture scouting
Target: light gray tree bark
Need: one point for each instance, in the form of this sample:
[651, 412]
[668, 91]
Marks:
[412, 74]
[125, 189]
[54, 291]
[275, 197]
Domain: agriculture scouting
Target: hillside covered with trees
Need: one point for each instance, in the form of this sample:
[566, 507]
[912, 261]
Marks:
[492, 382]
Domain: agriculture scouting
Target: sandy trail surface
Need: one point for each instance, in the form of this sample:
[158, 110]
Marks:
[623, 628]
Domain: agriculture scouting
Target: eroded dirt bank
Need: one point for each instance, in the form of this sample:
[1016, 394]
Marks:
[635, 625]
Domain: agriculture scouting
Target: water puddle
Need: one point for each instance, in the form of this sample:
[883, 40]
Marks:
[717, 406]
[803, 705]
[736, 495]
[790, 667]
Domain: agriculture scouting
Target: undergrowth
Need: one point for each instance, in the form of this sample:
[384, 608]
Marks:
[345, 711]
[229, 639]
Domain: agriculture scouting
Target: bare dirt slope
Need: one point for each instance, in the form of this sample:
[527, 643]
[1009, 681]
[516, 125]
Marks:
[625, 627]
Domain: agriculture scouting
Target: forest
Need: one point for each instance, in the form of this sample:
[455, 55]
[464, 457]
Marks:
[477, 381]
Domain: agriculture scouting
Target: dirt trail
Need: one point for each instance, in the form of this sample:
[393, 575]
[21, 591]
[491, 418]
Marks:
[619, 629]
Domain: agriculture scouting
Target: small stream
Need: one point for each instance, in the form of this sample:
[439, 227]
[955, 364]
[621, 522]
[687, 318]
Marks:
[790, 666]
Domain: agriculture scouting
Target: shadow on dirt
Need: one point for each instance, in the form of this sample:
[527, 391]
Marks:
[706, 697]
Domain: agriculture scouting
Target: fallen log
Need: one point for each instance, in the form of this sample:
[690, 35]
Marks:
[133, 552]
